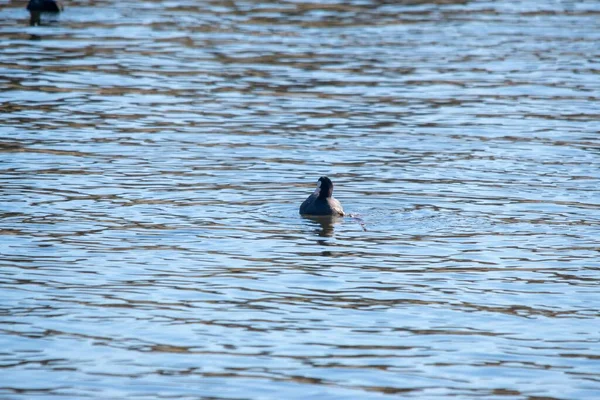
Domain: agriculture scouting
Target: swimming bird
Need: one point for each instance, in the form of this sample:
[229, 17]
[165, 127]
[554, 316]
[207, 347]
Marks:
[36, 7]
[321, 202]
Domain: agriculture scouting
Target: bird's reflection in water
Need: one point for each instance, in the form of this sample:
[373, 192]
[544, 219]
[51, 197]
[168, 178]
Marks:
[324, 224]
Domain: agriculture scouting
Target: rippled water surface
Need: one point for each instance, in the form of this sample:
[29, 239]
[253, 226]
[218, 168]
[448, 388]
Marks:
[153, 156]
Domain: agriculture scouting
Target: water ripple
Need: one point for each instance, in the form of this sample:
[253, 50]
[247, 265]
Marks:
[153, 156]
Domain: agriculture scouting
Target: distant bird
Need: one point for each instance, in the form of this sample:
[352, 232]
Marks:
[321, 202]
[37, 7]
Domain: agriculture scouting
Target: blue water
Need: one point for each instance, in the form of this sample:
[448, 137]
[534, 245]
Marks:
[153, 156]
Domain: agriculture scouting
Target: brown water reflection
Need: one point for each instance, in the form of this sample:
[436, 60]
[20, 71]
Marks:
[153, 156]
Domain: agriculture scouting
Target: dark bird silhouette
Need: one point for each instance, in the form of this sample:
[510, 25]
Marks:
[37, 7]
[321, 202]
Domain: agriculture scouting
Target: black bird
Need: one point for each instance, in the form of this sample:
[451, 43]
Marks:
[37, 7]
[321, 202]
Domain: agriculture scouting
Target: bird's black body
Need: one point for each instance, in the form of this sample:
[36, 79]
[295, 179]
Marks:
[321, 202]
[37, 7]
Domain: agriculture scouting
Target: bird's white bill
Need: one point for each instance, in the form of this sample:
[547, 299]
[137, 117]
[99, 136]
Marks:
[318, 188]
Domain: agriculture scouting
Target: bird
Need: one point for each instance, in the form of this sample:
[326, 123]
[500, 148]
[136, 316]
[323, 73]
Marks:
[321, 202]
[36, 7]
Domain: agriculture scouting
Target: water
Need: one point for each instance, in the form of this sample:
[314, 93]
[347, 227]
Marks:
[153, 156]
